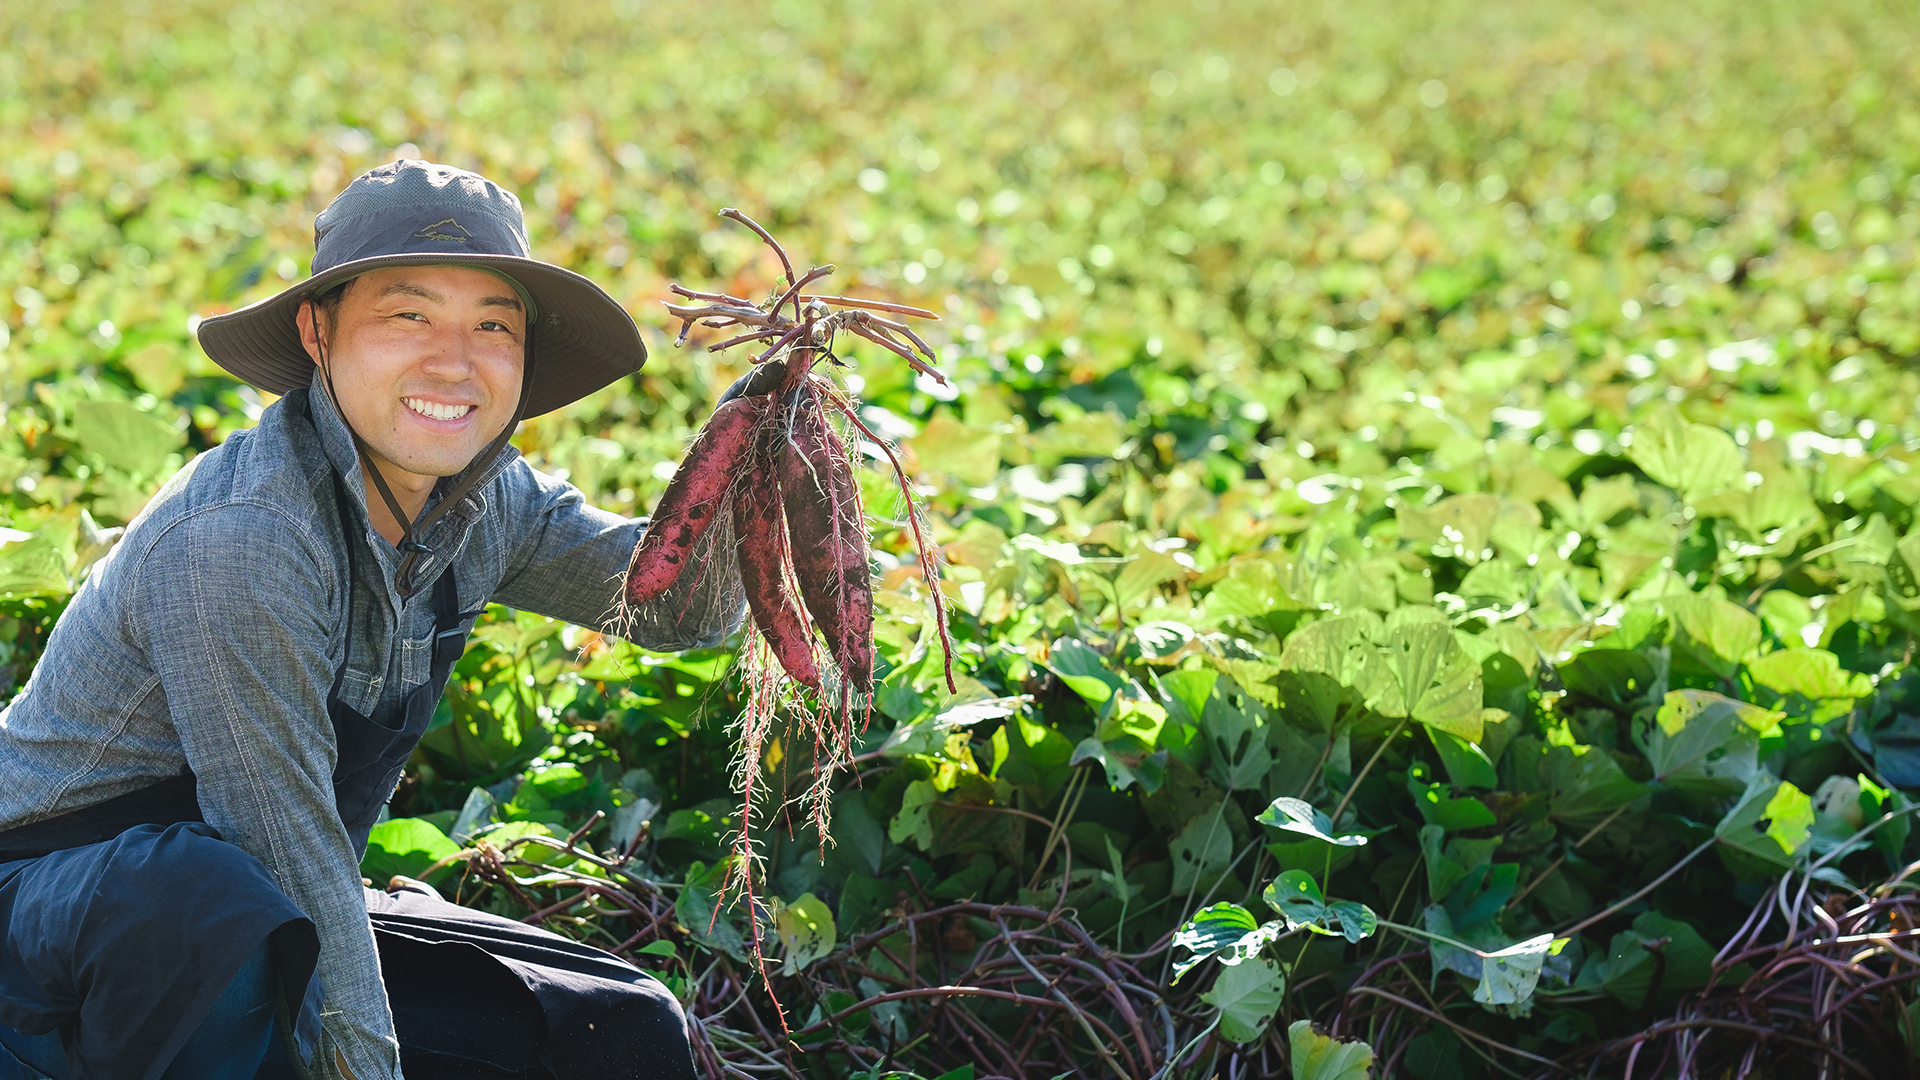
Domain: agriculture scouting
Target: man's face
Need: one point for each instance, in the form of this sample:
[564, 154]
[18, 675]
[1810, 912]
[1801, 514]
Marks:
[426, 361]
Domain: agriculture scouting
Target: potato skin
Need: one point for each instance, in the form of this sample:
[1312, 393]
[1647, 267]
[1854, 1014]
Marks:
[693, 498]
[758, 531]
[828, 537]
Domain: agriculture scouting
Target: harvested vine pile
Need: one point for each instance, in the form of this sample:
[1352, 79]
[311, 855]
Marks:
[774, 464]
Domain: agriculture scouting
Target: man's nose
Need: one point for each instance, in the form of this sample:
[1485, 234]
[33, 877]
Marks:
[450, 354]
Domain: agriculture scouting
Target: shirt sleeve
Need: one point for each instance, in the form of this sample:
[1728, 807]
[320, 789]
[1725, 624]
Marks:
[237, 628]
[569, 558]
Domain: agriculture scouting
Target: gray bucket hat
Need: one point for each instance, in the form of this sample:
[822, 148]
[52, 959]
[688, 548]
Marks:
[409, 213]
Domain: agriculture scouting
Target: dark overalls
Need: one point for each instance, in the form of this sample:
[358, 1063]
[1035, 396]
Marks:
[122, 922]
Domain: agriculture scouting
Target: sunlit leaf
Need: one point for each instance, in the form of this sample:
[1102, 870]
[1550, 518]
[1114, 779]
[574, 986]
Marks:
[1211, 930]
[1707, 742]
[1693, 459]
[806, 931]
[1084, 671]
[1771, 821]
[1322, 1057]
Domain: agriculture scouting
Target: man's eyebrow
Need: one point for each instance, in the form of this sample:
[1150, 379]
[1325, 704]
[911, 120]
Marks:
[408, 288]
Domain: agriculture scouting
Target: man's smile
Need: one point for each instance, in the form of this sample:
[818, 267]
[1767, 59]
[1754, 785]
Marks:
[434, 410]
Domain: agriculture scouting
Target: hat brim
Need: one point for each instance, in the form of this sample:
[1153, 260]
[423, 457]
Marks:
[583, 339]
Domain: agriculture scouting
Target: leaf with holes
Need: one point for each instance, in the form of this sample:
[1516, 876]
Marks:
[1323, 1057]
[806, 932]
[1212, 929]
[1203, 849]
[1247, 996]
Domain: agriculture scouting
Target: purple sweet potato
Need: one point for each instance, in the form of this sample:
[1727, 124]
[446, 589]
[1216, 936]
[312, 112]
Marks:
[693, 498]
[758, 533]
[829, 539]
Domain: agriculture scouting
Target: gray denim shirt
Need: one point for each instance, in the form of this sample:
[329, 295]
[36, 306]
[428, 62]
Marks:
[209, 638]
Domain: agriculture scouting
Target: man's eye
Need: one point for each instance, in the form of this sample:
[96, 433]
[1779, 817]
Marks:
[492, 324]
[414, 315]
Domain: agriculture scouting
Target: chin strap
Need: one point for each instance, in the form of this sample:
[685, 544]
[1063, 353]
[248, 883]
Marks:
[413, 528]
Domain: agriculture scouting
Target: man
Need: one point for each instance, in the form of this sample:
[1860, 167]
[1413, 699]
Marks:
[188, 780]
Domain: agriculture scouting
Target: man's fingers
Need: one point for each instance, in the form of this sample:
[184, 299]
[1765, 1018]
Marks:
[764, 379]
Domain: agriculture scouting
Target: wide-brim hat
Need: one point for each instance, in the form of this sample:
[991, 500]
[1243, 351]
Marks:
[412, 213]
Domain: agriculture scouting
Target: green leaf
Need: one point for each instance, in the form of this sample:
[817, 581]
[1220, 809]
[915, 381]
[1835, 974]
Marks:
[127, 438]
[948, 445]
[1318, 701]
[1629, 967]
[1719, 634]
[1889, 839]
[404, 846]
[806, 932]
[1297, 897]
[1323, 1057]
[1064, 553]
[1252, 590]
[1467, 765]
[1585, 784]
[1339, 647]
[930, 735]
[1707, 742]
[1232, 722]
[1247, 996]
[1212, 929]
[699, 909]
[1084, 671]
[1772, 821]
[1201, 850]
[912, 822]
[33, 564]
[1126, 762]
[1357, 921]
[1506, 974]
[1508, 977]
[1810, 683]
[1424, 673]
[534, 853]
[1692, 459]
[1186, 692]
[1161, 640]
[1298, 816]
[1438, 807]
[1449, 861]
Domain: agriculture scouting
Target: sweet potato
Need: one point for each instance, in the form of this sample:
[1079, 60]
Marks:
[829, 539]
[692, 498]
[758, 532]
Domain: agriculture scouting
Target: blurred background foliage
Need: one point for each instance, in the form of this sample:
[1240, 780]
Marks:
[1565, 349]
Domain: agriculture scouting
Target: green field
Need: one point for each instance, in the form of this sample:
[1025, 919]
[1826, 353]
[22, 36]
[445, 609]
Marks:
[1490, 426]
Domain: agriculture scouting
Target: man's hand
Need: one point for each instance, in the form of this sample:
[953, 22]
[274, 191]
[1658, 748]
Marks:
[764, 379]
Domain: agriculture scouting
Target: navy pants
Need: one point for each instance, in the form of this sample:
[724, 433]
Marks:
[119, 951]
[160, 955]
[232, 1043]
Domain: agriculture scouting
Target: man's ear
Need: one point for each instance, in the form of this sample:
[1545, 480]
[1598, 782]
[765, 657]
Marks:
[309, 329]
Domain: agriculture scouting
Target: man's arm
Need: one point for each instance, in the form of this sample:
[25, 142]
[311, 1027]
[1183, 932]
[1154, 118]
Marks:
[566, 559]
[236, 619]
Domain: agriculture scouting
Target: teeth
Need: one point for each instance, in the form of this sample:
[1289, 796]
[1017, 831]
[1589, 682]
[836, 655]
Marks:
[435, 410]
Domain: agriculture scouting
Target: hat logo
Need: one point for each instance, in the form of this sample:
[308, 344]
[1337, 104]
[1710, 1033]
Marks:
[446, 229]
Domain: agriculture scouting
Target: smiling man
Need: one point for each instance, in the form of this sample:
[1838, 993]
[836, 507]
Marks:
[188, 781]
